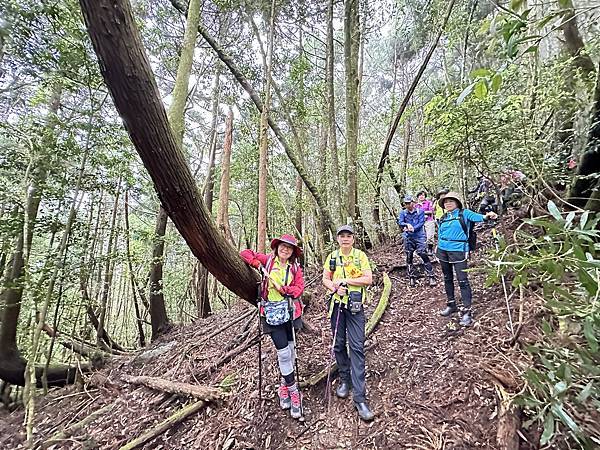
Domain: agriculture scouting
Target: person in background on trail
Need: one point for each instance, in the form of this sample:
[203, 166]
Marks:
[439, 211]
[512, 186]
[426, 206]
[412, 221]
[452, 252]
[346, 274]
[283, 282]
[484, 193]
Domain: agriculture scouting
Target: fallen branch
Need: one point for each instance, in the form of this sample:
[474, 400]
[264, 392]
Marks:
[159, 429]
[370, 327]
[509, 421]
[60, 436]
[175, 387]
[224, 327]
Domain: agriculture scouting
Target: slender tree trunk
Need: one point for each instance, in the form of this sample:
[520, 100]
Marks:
[176, 116]
[108, 270]
[292, 155]
[351, 53]
[134, 286]
[13, 293]
[209, 185]
[264, 138]
[223, 211]
[383, 160]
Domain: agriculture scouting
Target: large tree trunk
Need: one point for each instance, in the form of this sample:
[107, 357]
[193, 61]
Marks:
[586, 186]
[127, 73]
[573, 41]
[292, 155]
[176, 117]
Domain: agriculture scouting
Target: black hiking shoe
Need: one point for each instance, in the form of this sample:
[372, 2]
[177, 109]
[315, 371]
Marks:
[466, 320]
[450, 309]
[364, 412]
[343, 390]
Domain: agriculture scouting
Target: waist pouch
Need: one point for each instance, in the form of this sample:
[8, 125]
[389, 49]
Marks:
[355, 301]
[276, 313]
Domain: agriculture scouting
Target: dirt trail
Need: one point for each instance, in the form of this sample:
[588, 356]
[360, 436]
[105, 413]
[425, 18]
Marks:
[425, 376]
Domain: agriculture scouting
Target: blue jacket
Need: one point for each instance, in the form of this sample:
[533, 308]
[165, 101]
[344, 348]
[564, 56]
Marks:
[416, 218]
[451, 236]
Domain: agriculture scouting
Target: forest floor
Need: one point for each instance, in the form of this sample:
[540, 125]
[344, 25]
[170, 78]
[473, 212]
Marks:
[431, 383]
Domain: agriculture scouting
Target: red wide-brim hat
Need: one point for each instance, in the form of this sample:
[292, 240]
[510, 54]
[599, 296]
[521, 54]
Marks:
[287, 239]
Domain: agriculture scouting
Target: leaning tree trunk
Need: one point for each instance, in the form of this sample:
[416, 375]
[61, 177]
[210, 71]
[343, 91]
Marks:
[176, 117]
[292, 155]
[127, 73]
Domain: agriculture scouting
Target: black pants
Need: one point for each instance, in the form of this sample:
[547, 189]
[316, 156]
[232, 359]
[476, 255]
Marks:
[458, 261]
[412, 245]
[351, 330]
[281, 335]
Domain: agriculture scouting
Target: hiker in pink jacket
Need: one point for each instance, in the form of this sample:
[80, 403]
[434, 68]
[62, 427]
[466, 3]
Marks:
[282, 287]
[428, 208]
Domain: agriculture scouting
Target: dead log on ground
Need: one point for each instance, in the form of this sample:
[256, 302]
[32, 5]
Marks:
[174, 387]
[174, 419]
[65, 434]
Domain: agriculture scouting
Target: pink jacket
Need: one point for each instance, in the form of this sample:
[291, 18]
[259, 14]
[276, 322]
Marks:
[296, 286]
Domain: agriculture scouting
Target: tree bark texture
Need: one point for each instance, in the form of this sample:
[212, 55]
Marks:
[351, 53]
[585, 191]
[223, 210]
[127, 73]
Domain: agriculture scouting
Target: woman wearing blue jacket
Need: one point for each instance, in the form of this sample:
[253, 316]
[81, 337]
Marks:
[453, 249]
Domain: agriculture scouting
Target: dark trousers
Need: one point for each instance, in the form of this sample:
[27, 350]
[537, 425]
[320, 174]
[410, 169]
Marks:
[351, 330]
[458, 261]
[412, 245]
[281, 335]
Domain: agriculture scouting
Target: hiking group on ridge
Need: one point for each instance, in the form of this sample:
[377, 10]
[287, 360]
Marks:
[346, 275]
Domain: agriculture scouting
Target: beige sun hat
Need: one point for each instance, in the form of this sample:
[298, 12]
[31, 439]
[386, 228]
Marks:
[452, 195]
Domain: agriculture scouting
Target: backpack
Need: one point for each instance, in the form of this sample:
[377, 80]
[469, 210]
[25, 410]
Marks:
[468, 228]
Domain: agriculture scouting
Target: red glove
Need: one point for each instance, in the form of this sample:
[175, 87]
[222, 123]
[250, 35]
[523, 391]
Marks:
[255, 263]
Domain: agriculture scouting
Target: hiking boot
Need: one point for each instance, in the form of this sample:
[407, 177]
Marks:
[466, 319]
[432, 282]
[450, 309]
[343, 390]
[364, 412]
[296, 402]
[284, 397]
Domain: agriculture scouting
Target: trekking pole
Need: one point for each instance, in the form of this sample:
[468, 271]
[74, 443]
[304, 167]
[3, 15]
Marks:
[262, 272]
[332, 354]
[510, 321]
[291, 308]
